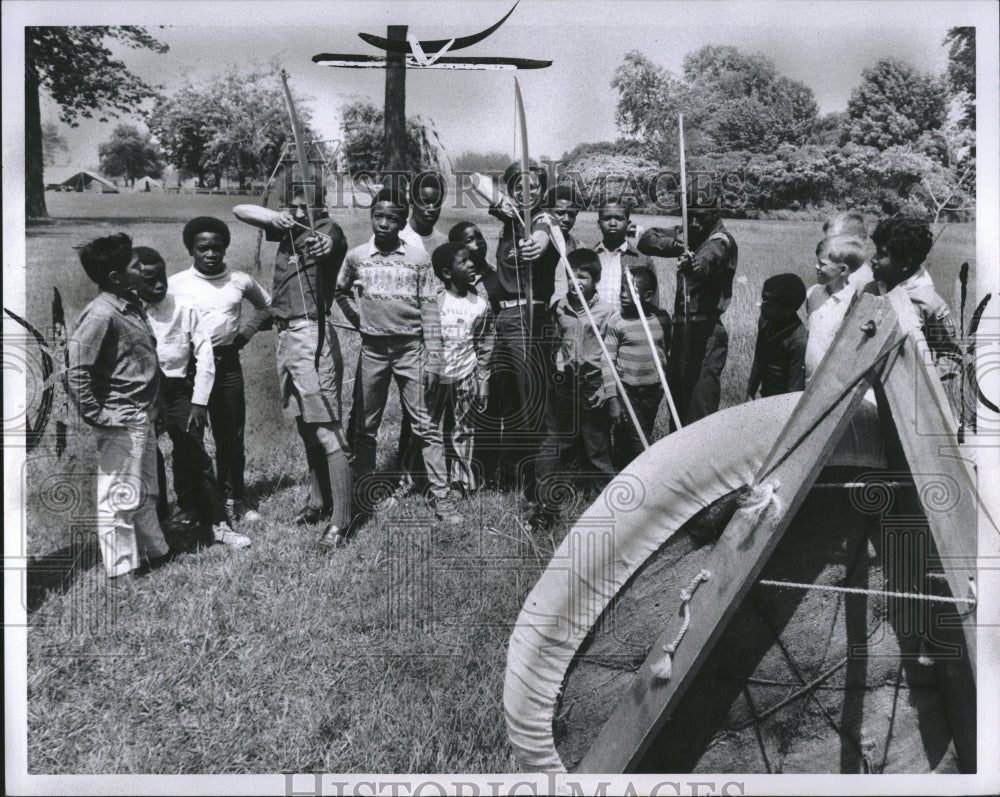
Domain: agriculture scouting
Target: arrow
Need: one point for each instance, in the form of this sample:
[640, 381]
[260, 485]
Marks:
[436, 45]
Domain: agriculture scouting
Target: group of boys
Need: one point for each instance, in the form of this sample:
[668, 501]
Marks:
[788, 353]
[552, 358]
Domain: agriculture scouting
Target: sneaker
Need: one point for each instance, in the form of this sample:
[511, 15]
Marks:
[224, 534]
[446, 509]
[239, 512]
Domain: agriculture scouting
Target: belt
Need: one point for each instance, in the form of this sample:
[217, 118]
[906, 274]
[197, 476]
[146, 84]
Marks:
[679, 318]
[281, 324]
[506, 304]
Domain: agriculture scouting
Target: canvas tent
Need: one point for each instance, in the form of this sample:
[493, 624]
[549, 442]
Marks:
[147, 184]
[88, 181]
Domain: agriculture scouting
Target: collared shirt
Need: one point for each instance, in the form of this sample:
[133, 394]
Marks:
[579, 348]
[179, 333]
[112, 372]
[611, 282]
[824, 322]
[299, 288]
[629, 348]
[219, 301]
[388, 293]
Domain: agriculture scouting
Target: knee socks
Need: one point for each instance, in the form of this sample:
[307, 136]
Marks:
[340, 486]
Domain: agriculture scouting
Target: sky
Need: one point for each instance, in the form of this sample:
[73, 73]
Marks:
[826, 45]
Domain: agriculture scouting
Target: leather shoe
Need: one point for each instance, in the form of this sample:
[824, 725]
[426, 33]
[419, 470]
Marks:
[309, 515]
[333, 537]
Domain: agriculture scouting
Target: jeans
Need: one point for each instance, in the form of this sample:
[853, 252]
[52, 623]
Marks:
[402, 357]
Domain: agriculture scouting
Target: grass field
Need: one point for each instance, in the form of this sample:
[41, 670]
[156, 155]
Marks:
[386, 656]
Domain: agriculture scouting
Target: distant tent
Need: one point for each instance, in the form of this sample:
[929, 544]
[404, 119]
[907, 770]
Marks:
[88, 181]
[146, 184]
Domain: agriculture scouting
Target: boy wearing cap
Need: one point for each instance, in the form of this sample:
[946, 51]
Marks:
[700, 342]
[217, 293]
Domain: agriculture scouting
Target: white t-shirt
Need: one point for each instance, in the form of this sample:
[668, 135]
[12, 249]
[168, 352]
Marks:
[459, 318]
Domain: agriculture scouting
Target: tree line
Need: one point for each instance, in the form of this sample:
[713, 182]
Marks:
[895, 146]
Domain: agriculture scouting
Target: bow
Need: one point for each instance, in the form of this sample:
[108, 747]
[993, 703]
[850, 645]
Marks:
[300, 152]
[525, 199]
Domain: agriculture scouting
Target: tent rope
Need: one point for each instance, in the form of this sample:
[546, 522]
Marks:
[860, 591]
[663, 667]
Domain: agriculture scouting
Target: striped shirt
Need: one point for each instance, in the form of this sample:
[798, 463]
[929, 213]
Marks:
[629, 348]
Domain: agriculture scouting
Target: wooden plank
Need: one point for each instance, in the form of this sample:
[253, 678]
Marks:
[813, 431]
[944, 481]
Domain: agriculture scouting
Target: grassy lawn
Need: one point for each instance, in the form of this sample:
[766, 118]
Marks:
[386, 656]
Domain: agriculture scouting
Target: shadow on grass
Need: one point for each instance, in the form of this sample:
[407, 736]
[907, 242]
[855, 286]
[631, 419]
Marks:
[57, 571]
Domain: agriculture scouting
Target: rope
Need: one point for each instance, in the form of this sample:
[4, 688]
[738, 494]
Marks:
[861, 591]
[662, 669]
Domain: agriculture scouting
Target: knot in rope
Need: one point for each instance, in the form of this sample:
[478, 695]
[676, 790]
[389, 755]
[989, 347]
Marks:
[663, 667]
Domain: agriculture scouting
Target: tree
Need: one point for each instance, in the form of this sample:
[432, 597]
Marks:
[72, 65]
[130, 154]
[961, 74]
[362, 124]
[894, 105]
[234, 125]
[470, 161]
[745, 103]
[52, 142]
[730, 101]
[649, 100]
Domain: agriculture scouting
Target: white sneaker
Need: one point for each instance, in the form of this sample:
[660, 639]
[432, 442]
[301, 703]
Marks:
[239, 512]
[224, 534]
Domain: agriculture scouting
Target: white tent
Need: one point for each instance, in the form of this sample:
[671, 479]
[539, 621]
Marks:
[147, 184]
[88, 181]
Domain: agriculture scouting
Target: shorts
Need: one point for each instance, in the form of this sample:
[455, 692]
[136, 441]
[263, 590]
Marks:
[307, 391]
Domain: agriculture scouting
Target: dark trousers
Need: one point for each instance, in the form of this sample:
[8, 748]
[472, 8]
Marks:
[698, 353]
[227, 413]
[194, 482]
[522, 363]
[573, 430]
[646, 403]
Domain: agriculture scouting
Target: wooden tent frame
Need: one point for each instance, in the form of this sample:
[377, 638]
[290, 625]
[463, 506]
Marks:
[878, 345]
